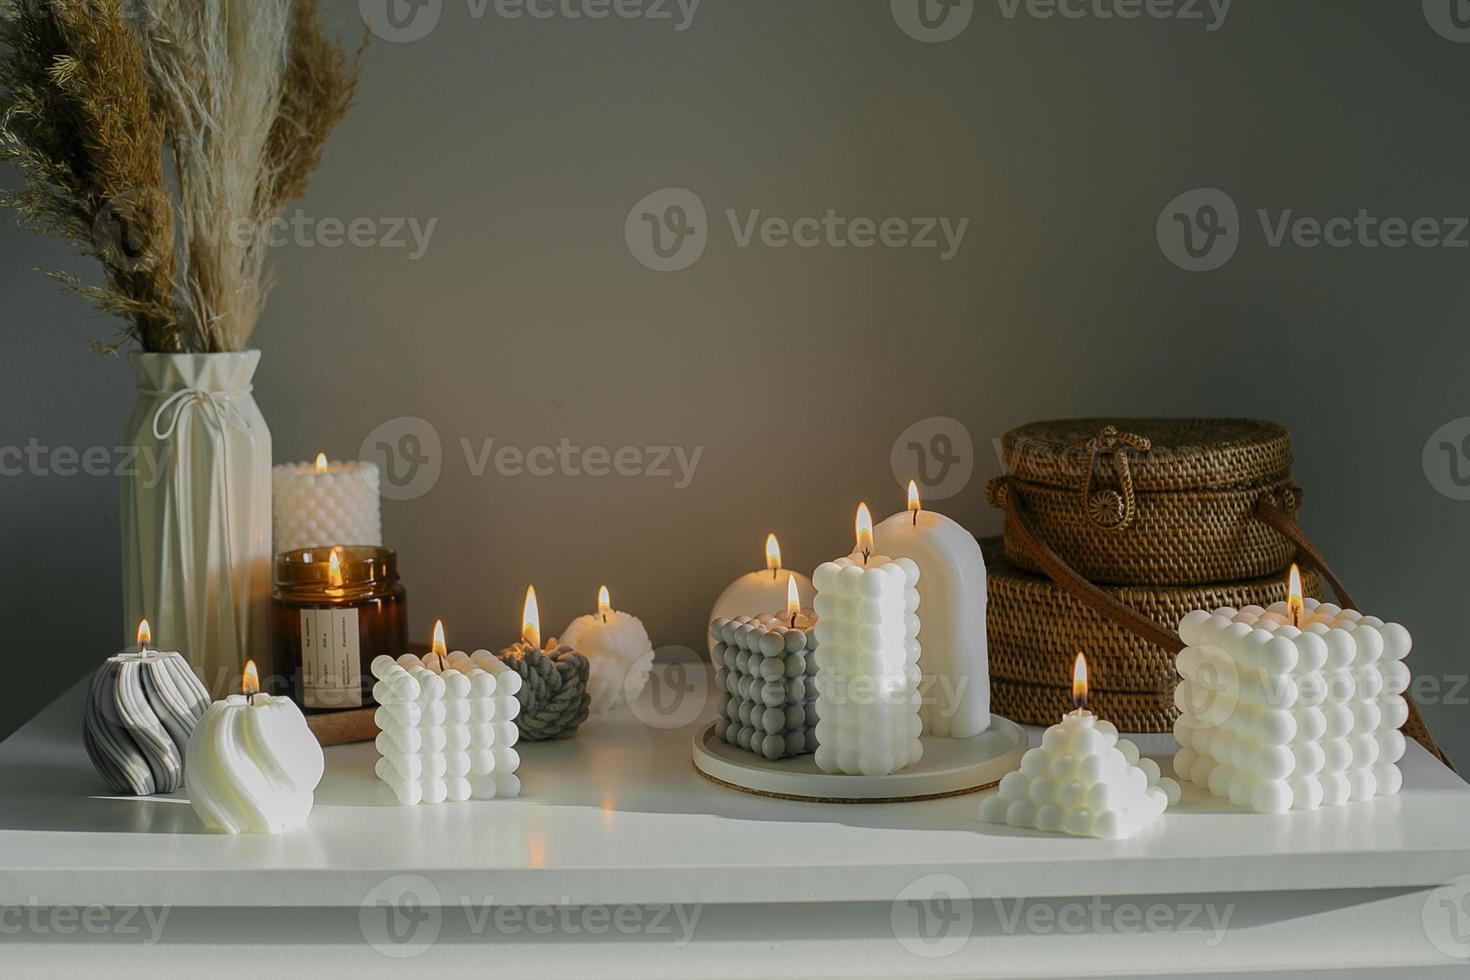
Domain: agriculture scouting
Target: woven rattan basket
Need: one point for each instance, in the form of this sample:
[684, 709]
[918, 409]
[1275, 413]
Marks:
[1150, 501]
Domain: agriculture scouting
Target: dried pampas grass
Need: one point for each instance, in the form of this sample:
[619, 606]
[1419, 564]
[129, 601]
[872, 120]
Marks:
[240, 95]
[79, 125]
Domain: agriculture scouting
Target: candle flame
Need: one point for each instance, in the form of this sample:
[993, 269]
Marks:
[145, 634]
[321, 462]
[531, 619]
[334, 569]
[773, 553]
[793, 599]
[250, 680]
[1294, 603]
[604, 601]
[1079, 682]
[864, 527]
[438, 645]
[913, 497]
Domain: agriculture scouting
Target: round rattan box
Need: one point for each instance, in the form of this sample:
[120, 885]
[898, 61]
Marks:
[1147, 501]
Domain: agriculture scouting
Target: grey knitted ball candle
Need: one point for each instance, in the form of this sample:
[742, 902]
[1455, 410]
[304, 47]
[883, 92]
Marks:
[141, 709]
[554, 696]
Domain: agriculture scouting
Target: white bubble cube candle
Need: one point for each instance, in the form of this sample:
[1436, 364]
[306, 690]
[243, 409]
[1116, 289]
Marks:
[1083, 780]
[447, 727]
[1295, 706]
[867, 659]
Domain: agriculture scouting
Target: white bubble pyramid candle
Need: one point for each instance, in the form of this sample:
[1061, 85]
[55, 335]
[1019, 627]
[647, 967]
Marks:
[447, 725]
[1295, 706]
[867, 659]
[1082, 779]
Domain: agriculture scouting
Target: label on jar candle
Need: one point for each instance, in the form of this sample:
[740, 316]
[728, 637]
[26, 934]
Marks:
[331, 663]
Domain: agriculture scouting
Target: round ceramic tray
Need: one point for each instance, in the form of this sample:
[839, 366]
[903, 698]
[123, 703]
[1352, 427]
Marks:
[950, 767]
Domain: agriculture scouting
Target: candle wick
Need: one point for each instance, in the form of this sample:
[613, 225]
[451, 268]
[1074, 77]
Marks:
[793, 620]
[604, 617]
[916, 518]
[866, 553]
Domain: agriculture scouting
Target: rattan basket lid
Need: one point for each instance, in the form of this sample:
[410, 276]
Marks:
[1181, 454]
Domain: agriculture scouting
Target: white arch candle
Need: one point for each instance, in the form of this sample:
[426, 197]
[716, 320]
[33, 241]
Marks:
[955, 665]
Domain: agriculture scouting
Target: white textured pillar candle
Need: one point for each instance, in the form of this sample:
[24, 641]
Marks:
[252, 764]
[320, 504]
[955, 665]
[867, 661]
[757, 593]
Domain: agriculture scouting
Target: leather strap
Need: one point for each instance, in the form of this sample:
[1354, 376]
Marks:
[1018, 526]
[1270, 511]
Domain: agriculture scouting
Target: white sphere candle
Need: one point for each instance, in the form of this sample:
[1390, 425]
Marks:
[1082, 779]
[757, 593]
[867, 660]
[955, 665]
[252, 764]
[324, 503]
[618, 651]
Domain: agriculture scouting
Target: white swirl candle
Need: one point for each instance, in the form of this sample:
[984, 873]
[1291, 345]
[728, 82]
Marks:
[1082, 779]
[252, 765]
[321, 504]
[1294, 706]
[867, 661]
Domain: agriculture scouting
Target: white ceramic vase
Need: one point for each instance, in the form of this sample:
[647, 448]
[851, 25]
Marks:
[196, 513]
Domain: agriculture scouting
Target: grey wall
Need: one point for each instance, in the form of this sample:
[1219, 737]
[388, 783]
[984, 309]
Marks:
[528, 320]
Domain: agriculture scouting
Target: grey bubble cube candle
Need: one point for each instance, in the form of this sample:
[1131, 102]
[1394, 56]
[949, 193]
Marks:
[766, 674]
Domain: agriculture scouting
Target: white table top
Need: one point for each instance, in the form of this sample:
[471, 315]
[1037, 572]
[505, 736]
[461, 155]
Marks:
[618, 815]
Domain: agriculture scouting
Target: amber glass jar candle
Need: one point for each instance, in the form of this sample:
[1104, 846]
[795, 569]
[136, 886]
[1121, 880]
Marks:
[334, 611]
